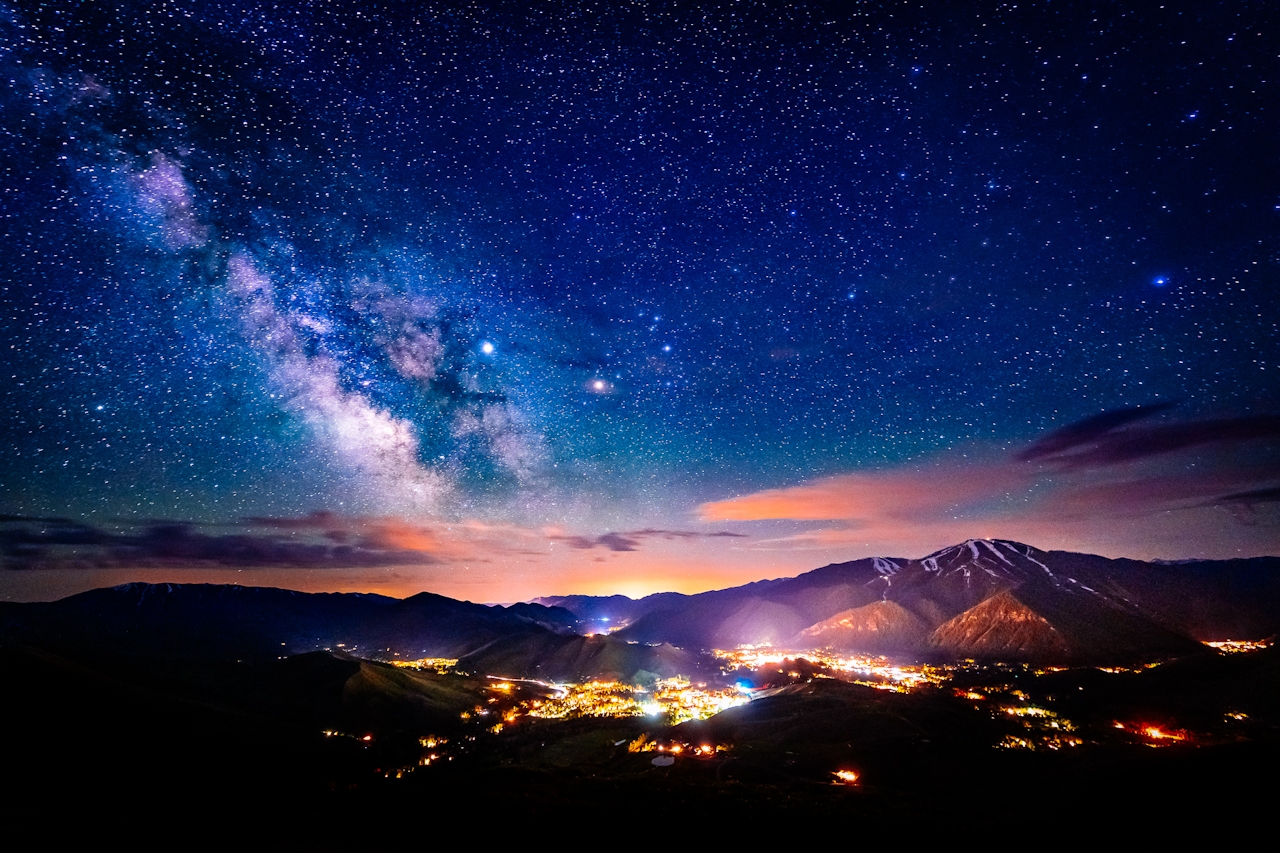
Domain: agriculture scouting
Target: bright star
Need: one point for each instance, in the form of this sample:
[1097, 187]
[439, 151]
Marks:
[486, 348]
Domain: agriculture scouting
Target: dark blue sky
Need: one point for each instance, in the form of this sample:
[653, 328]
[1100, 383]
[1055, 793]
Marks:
[587, 267]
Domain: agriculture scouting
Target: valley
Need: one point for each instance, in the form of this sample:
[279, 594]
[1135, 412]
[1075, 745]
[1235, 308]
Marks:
[182, 695]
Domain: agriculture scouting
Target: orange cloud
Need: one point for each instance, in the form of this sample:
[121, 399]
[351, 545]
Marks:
[403, 536]
[1167, 490]
[904, 494]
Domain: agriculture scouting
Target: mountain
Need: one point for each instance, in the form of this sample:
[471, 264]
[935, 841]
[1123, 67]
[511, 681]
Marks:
[205, 622]
[1002, 627]
[584, 658]
[882, 626]
[981, 598]
[228, 622]
[764, 611]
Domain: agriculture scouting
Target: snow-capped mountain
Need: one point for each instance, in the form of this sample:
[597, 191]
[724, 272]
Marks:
[980, 598]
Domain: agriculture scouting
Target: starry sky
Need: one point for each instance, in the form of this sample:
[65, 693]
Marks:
[508, 299]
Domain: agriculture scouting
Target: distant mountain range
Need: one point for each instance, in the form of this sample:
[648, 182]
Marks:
[193, 622]
[981, 599]
[225, 621]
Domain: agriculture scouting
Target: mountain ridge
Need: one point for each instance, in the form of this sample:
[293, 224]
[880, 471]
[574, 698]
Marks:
[1100, 607]
[981, 597]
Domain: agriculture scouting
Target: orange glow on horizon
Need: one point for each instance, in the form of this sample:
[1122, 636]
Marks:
[904, 495]
[406, 537]
[892, 513]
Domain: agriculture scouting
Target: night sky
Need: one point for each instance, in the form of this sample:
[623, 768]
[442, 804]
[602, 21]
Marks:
[509, 299]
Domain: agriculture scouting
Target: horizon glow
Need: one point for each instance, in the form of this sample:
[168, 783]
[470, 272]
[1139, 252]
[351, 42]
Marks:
[506, 302]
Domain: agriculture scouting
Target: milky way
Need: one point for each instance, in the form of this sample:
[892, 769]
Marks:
[532, 279]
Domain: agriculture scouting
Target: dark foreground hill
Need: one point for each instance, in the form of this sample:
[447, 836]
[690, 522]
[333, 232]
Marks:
[319, 752]
[171, 714]
[191, 621]
[990, 599]
[585, 658]
[205, 622]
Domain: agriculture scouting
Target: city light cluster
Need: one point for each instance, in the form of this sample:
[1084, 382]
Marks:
[1238, 646]
[1045, 729]
[440, 666]
[870, 670]
[589, 699]
[676, 747]
[675, 698]
[680, 700]
[1043, 742]
[1155, 735]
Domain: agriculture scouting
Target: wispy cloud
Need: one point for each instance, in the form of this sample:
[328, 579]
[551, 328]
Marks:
[1115, 437]
[1257, 496]
[1088, 431]
[632, 540]
[52, 543]
[319, 540]
[1112, 472]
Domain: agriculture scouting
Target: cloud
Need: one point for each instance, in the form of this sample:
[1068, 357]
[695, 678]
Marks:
[373, 533]
[1114, 437]
[905, 494]
[1088, 431]
[1095, 477]
[632, 540]
[1250, 507]
[1257, 496]
[292, 550]
[52, 543]
[609, 541]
